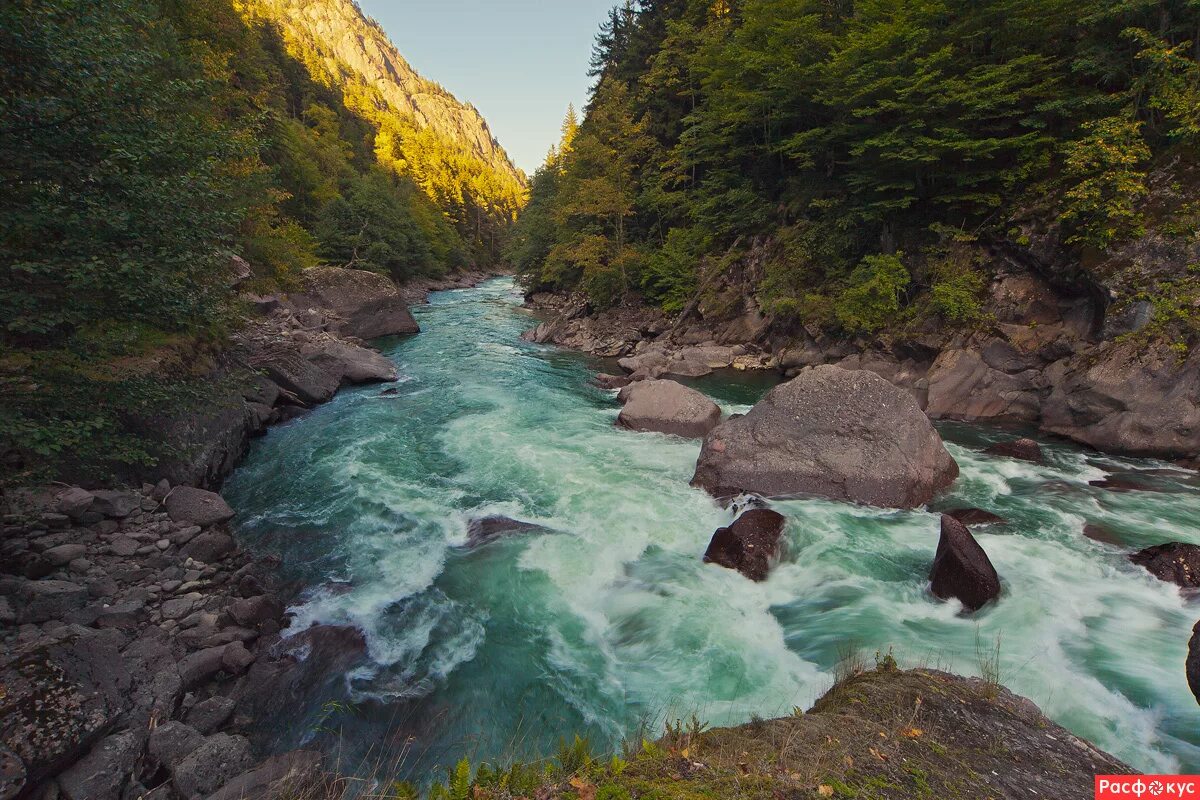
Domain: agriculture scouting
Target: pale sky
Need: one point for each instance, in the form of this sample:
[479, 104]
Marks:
[520, 62]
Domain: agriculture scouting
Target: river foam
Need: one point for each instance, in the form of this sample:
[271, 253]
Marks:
[608, 622]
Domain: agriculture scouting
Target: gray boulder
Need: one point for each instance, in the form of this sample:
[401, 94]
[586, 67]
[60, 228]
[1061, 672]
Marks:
[830, 432]
[210, 766]
[667, 407]
[209, 547]
[209, 715]
[363, 304]
[115, 503]
[75, 501]
[103, 772]
[283, 776]
[961, 569]
[353, 364]
[198, 506]
[47, 599]
[171, 742]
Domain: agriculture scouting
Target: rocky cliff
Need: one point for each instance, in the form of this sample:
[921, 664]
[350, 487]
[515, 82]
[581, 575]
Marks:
[353, 47]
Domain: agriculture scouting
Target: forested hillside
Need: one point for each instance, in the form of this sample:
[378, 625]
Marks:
[146, 143]
[879, 147]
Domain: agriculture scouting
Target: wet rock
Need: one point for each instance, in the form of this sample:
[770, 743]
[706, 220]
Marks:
[103, 772]
[975, 516]
[209, 547]
[1174, 562]
[1119, 484]
[667, 407]
[484, 529]
[305, 381]
[1100, 533]
[1193, 662]
[1024, 449]
[833, 433]
[197, 506]
[362, 304]
[115, 503]
[961, 568]
[390, 392]
[279, 777]
[210, 766]
[606, 381]
[253, 611]
[352, 363]
[749, 545]
[209, 715]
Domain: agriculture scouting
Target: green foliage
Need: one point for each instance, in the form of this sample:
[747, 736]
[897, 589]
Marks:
[872, 299]
[1104, 167]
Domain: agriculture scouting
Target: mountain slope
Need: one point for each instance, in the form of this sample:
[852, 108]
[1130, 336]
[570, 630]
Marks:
[353, 48]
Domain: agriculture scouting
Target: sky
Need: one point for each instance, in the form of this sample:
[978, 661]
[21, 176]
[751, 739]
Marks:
[520, 62]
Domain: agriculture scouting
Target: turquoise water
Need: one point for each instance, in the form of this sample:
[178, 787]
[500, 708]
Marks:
[608, 622]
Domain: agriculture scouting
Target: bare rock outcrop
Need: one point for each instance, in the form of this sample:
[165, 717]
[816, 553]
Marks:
[363, 304]
[667, 407]
[833, 433]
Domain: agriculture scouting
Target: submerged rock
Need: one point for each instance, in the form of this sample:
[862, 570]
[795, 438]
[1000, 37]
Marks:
[1119, 484]
[667, 407]
[961, 568]
[1024, 449]
[1174, 562]
[749, 545]
[1193, 662]
[845, 435]
[484, 529]
[606, 381]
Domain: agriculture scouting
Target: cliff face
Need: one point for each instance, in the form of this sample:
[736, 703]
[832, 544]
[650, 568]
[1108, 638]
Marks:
[352, 47]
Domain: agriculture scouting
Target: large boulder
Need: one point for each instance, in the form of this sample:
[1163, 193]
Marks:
[1023, 449]
[353, 363]
[1127, 398]
[102, 773]
[961, 569]
[963, 386]
[197, 506]
[845, 435]
[279, 777]
[667, 407]
[1174, 562]
[749, 545]
[364, 304]
[1193, 662]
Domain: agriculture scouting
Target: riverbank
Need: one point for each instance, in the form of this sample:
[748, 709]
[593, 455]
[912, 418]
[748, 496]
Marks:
[1065, 364]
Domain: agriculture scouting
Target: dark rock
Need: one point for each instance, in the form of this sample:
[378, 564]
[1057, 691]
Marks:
[351, 363]
[667, 407]
[197, 506]
[64, 554]
[1101, 533]
[210, 766]
[114, 503]
[46, 599]
[209, 547]
[1193, 662]
[60, 698]
[12, 774]
[235, 658]
[75, 501]
[484, 529]
[749, 545]
[390, 392]
[310, 383]
[103, 772]
[606, 381]
[279, 777]
[833, 433]
[198, 667]
[124, 546]
[365, 304]
[1024, 449]
[209, 715]
[252, 611]
[961, 569]
[172, 742]
[1119, 484]
[163, 487]
[962, 386]
[1174, 562]
[975, 516]
[126, 615]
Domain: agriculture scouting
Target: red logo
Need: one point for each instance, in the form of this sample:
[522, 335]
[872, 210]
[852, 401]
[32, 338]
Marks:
[1148, 787]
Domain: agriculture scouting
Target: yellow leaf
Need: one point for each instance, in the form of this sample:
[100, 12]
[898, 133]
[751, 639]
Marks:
[684, 752]
[912, 733]
[586, 791]
[825, 790]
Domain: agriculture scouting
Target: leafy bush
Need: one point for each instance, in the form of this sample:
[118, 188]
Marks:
[872, 299]
[1103, 169]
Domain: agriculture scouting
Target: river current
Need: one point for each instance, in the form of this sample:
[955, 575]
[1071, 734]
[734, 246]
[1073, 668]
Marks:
[606, 622]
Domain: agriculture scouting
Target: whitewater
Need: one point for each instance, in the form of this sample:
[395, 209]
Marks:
[606, 623]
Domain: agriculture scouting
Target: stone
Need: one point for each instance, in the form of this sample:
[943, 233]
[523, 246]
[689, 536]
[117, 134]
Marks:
[39, 601]
[749, 545]
[177, 607]
[365, 305]
[12, 774]
[163, 487]
[219, 758]
[1120, 484]
[278, 778]
[64, 554]
[829, 432]
[172, 742]
[116, 503]
[606, 381]
[484, 529]
[1023, 449]
[209, 715]
[352, 363]
[209, 547]
[197, 506]
[235, 658]
[1174, 562]
[962, 386]
[123, 546]
[103, 772]
[975, 516]
[663, 406]
[252, 611]
[196, 668]
[1193, 662]
[74, 502]
[125, 615]
[961, 568]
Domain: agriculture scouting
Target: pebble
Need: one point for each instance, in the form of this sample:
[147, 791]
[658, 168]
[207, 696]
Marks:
[162, 544]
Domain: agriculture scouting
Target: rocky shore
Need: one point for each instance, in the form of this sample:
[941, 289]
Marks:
[1072, 365]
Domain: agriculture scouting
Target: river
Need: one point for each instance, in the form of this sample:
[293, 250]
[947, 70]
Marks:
[606, 623]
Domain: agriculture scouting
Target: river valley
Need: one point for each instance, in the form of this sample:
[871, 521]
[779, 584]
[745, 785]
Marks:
[604, 620]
